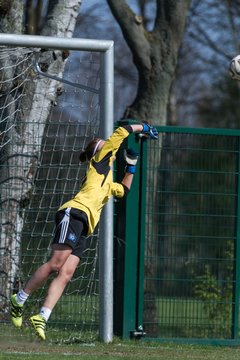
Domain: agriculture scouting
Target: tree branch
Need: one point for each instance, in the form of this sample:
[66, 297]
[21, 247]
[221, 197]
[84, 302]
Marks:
[133, 31]
[171, 17]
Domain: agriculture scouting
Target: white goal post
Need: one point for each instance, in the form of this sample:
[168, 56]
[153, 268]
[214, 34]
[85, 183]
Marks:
[105, 48]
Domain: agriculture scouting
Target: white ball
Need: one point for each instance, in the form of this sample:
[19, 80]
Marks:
[234, 68]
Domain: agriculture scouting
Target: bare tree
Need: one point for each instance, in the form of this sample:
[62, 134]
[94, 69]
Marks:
[19, 161]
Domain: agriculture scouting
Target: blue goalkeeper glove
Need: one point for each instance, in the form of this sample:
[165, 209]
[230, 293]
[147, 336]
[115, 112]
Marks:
[150, 131]
[131, 158]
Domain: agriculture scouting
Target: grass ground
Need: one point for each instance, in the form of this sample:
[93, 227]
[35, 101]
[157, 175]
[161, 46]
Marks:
[23, 344]
[118, 350]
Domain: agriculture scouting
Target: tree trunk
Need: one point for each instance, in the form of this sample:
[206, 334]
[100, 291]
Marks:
[21, 153]
[155, 55]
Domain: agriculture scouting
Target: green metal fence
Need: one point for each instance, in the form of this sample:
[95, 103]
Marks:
[178, 252]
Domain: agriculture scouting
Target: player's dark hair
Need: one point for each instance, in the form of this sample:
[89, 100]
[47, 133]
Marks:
[88, 153]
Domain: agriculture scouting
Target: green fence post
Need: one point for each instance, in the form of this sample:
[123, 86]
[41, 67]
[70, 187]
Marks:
[141, 239]
[126, 252]
[236, 273]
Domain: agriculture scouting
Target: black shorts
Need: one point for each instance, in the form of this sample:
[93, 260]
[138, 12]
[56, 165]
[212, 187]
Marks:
[71, 229]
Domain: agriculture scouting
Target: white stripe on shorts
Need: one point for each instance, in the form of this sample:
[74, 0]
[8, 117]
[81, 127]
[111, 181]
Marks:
[64, 227]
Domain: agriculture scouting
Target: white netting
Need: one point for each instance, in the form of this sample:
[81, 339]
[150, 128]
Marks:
[11, 88]
[44, 174]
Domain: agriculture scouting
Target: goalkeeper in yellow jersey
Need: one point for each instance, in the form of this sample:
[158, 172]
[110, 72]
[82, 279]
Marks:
[78, 218]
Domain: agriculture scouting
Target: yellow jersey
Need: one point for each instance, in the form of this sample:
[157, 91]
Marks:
[98, 186]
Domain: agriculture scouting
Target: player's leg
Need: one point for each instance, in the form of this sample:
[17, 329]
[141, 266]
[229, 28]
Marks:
[59, 256]
[76, 243]
[58, 284]
[73, 237]
[61, 251]
[55, 291]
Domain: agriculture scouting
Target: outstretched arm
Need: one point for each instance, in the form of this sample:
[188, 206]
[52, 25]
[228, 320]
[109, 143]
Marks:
[137, 127]
[145, 129]
[131, 158]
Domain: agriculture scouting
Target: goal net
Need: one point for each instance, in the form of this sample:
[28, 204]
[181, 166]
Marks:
[44, 124]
